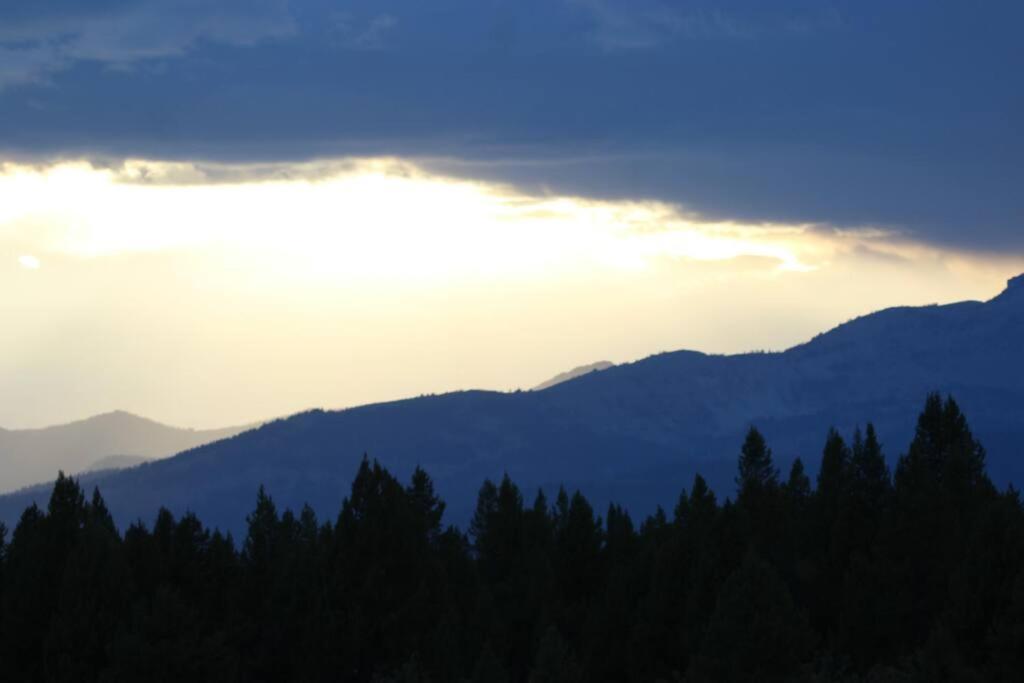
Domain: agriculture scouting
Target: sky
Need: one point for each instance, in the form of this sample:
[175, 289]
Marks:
[217, 211]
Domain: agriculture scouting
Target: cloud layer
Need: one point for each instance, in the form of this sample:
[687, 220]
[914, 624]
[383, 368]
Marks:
[899, 115]
[221, 294]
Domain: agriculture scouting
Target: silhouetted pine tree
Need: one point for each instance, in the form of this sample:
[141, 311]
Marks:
[870, 474]
[798, 487]
[760, 504]
[830, 534]
[833, 475]
[578, 542]
[864, 625]
[621, 589]
[940, 490]
[387, 584]
[92, 595]
[263, 630]
[757, 473]
[37, 560]
[427, 508]
[704, 571]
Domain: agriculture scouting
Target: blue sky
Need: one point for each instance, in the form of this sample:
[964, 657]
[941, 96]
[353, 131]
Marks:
[906, 115]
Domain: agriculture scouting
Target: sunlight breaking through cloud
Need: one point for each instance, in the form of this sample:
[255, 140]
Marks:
[341, 282]
[377, 218]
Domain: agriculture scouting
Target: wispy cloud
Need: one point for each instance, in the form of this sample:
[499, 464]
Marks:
[31, 63]
[368, 34]
[644, 24]
[34, 44]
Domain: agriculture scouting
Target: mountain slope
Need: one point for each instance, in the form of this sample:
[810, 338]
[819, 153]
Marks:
[635, 433]
[28, 456]
[116, 462]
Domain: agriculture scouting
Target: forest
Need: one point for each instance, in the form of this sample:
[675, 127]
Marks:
[865, 574]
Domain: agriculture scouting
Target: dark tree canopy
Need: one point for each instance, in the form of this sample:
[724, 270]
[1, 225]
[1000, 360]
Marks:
[862, 577]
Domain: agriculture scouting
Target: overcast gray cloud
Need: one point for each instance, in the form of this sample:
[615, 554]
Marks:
[903, 115]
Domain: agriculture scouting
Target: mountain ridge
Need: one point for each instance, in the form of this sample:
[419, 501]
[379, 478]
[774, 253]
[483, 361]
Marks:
[634, 433]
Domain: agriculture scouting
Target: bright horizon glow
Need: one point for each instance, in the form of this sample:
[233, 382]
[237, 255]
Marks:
[209, 295]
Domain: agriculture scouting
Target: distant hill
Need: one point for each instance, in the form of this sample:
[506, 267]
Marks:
[634, 433]
[574, 373]
[28, 456]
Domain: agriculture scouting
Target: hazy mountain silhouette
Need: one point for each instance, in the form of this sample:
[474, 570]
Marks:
[635, 433]
[574, 373]
[116, 462]
[108, 441]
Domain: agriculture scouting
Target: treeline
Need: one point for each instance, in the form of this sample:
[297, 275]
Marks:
[915, 575]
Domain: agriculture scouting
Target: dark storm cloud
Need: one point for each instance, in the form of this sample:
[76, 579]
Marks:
[904, 115]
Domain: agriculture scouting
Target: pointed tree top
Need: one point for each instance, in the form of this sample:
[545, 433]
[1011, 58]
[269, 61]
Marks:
[756, 471]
